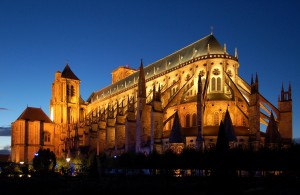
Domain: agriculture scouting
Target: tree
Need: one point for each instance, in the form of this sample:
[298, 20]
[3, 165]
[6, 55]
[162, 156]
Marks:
[44, 160]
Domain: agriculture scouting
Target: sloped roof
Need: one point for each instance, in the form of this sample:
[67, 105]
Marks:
[175, 135]
[194, 50]
[34, 114]
[68, 73]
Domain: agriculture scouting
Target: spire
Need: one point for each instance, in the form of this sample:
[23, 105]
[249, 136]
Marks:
[158, 95]
[200, 143]
[236, 53]
[256, 78]
[254, 85]
[290, 91]
[199, 84]
[225, 48]
[282, 92]
[141, 82]
[208, 48]
[175, 135]
[68, 73]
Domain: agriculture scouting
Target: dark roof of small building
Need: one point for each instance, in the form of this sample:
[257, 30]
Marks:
[34, 114]
[68, 73]
[4, 157]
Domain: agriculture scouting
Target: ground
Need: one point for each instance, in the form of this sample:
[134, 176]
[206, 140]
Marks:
[149, 185]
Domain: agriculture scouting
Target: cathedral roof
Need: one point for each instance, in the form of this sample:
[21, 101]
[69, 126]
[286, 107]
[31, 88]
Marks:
[68, 73]
[208, 44]
[34, 114]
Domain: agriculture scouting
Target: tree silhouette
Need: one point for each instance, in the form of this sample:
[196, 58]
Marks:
[44, 161]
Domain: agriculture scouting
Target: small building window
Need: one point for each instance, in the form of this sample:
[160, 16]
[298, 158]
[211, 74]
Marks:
[47, 137]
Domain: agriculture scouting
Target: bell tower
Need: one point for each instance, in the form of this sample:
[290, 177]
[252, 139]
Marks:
[65, 100]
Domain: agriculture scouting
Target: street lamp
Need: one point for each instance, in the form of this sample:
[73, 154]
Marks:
[68, 159]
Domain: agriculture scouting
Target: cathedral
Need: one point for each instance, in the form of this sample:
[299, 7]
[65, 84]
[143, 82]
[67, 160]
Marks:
[176, 102]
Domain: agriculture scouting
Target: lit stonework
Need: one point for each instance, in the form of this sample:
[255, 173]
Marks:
[136, 112]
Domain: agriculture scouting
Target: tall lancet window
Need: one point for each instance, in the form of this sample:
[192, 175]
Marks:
[187, 120]
[194, 120]
[218, 84]
[213, 84]
[216, 118]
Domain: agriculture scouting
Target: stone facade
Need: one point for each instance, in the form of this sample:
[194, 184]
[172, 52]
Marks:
[136, 112]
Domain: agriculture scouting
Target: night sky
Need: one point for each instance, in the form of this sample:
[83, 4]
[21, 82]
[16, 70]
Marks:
[38, 38]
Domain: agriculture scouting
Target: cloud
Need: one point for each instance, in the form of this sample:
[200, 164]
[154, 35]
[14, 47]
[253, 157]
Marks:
[5, 131]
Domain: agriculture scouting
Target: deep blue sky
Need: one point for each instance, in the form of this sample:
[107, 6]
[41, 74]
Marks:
[38, 38]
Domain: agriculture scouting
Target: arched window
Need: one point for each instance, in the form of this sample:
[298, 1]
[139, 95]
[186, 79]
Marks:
[187, 120]
[194, 120]
[216, 118]
[218, 84]
[213, 84]
[47, 137]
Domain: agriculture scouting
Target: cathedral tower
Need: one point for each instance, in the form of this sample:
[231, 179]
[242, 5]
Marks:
[65, 108]
[64, 104]
[285, 114]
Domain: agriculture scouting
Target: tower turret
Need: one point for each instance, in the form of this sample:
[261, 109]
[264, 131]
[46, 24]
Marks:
[200, 140]
[254, 114]
[141, 102]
